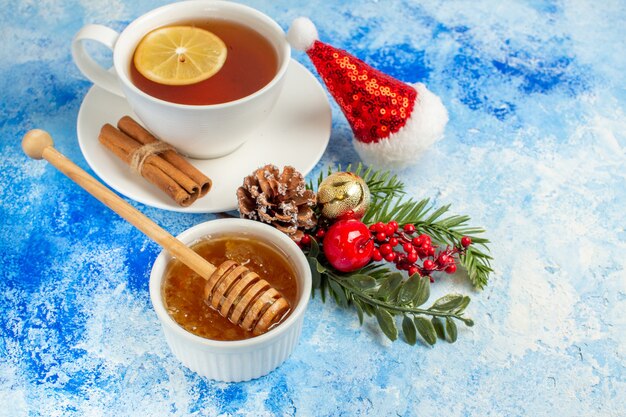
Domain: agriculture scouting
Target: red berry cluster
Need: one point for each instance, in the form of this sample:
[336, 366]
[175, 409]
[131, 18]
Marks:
[305, 240]
[406, 249]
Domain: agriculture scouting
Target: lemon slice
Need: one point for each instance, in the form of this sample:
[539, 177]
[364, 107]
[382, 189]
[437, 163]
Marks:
[179, 55]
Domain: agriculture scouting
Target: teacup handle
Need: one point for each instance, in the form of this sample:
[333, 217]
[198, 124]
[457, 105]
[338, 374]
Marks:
[87, 65]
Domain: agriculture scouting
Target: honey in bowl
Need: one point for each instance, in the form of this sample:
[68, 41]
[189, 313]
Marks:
[183, 290]
[251, 63]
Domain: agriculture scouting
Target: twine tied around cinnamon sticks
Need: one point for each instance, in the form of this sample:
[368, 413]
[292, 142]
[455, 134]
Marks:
[139, 155]
[155, 160]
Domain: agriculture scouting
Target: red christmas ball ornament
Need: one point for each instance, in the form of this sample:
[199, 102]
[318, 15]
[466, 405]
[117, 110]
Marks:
[348, 245]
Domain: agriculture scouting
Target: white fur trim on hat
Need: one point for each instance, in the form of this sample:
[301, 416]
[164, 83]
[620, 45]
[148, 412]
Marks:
[424, 127]
[302, 34]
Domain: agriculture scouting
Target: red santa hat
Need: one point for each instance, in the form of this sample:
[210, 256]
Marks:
[393, 122]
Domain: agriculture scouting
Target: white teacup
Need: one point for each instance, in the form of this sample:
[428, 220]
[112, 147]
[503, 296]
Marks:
[204, 131]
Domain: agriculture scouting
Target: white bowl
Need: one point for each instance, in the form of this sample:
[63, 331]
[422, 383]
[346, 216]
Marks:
[239, 360]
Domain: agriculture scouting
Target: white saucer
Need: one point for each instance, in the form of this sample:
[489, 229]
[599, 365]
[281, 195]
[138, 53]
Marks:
[296, 133]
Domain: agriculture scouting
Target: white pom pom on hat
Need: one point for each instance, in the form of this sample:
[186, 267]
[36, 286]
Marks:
[302, 34]
[393, 122]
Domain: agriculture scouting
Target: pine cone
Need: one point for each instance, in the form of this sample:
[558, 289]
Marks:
[280, 199]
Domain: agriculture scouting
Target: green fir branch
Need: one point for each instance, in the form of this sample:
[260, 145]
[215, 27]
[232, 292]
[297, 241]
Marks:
[377, 292]
[388, 202]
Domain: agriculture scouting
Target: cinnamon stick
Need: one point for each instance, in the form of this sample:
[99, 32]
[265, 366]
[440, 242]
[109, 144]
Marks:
[155, 169]
[133, 129]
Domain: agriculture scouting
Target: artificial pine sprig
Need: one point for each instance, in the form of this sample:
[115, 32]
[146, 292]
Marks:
[388, 203]
[376, 291]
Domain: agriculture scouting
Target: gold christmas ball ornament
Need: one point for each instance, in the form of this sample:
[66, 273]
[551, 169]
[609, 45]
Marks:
[341, 192]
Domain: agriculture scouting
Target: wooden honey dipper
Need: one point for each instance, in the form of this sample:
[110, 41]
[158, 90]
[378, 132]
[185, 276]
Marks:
[237, 293]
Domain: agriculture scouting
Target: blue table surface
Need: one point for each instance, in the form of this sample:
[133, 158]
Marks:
[534, 152]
